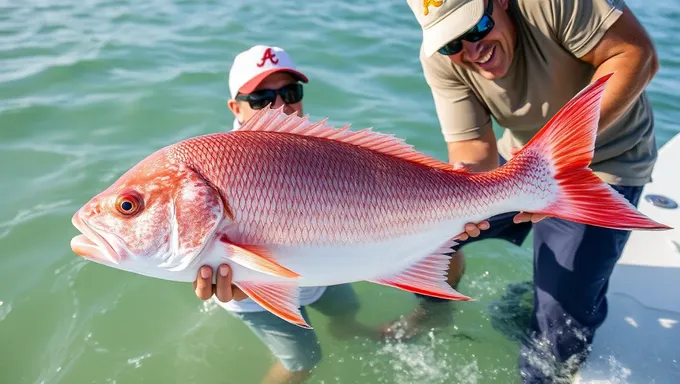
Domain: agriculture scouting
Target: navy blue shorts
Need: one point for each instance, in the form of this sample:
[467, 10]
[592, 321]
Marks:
[572, 266]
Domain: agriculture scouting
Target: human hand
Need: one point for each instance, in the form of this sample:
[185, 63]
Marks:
[525, 216]
[224, 290]
[471, 229]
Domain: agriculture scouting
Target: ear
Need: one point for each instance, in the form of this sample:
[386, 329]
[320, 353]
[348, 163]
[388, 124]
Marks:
[199, 210]
[234, 107]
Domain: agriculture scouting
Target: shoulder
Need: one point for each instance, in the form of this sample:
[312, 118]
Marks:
[544, 15]
[536, 12]
[575, 24]
[552, 11]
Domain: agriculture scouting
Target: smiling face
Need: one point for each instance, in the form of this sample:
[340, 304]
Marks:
[491, 57]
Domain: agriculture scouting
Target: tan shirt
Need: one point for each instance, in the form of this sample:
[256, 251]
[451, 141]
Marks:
[544, 75]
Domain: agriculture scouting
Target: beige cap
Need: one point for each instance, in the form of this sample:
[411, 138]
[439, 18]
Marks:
[445, 20]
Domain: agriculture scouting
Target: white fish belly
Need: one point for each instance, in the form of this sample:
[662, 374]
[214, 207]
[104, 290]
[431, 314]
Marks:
[330, 265]
[320, 265]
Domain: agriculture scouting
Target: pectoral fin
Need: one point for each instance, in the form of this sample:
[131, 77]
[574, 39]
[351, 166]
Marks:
[256, 258]
[281, 299]
[425, 277]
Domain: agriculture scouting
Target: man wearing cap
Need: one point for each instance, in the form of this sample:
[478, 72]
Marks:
[255, 77]
[520, 61]
[260, 76]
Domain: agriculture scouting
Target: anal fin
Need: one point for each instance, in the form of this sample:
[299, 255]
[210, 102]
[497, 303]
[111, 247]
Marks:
[425, 277]
[281, 299]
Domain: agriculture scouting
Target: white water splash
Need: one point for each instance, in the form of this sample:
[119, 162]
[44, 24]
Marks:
[137, 361]
[427, 362]
[5, 309]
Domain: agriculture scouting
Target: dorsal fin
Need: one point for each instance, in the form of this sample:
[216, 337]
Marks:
[275, 120]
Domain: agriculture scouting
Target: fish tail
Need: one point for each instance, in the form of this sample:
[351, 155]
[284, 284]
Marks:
[566, 146]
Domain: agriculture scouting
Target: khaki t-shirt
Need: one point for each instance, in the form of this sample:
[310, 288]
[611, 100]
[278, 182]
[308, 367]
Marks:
[544, 75]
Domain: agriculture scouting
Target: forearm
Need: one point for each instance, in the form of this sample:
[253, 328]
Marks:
[480, 154]
[634, 70]
[477, 163]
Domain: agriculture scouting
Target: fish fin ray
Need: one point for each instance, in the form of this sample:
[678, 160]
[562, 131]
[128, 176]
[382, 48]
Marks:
[265, 120]
[257, 258]
[567, 142]
[425, 277]
[281, 299]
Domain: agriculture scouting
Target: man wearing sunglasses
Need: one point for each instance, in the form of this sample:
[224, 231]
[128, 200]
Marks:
[260, 76]
[264, 75]
[520, 61]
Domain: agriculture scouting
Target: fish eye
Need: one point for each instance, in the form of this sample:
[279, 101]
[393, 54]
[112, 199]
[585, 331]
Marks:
[129, 204]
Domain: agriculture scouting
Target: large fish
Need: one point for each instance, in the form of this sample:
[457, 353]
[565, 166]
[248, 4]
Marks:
[290, 203]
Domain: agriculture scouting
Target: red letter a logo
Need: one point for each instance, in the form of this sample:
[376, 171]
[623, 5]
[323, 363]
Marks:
[268, 55]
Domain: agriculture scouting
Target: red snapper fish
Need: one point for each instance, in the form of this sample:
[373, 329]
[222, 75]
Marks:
[288, 203]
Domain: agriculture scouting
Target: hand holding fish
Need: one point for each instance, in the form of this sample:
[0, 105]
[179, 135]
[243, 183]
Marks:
[224, 290]
[474, 230]
[525, 216]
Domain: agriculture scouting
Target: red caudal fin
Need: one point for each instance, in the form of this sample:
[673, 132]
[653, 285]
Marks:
[567, 143]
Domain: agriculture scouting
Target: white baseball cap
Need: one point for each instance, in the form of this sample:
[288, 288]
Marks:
[445, 20]
[250, 67]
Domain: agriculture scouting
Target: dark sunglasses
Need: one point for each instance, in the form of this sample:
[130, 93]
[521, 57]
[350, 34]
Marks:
[290, 94]
[476, 33]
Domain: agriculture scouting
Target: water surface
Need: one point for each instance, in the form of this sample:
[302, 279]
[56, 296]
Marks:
[88, 88]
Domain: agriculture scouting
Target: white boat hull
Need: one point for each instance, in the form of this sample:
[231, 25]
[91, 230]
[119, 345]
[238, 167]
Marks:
[640, 339]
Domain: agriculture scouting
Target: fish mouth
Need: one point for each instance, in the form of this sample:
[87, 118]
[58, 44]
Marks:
[91, 245]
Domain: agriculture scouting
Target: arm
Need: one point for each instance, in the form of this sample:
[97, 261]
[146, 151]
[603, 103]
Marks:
[627, 50]
[480, 154]
[465, 124]
[464, 121]
[606, 34]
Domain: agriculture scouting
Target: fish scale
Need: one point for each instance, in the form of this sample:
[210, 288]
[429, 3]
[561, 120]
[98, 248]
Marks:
[348, 195]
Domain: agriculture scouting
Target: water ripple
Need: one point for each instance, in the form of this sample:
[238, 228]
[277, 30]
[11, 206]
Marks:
[26, 215]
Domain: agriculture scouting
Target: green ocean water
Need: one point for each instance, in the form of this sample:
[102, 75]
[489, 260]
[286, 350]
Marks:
[88, 88]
